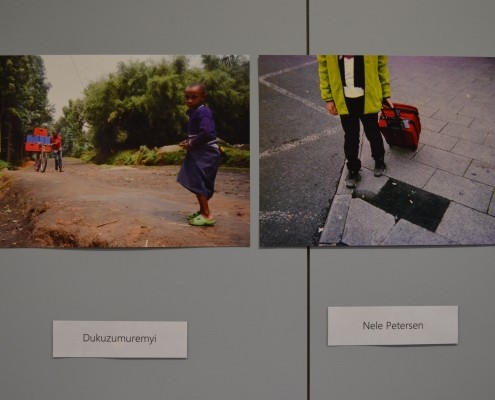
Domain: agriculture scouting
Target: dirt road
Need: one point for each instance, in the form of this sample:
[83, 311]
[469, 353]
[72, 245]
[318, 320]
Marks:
[101, 206]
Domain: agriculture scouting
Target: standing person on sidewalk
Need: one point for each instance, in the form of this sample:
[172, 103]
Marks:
[56, 142]
[200, 166]
[355, 87]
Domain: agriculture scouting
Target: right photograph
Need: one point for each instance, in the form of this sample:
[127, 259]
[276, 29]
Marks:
[376, 150]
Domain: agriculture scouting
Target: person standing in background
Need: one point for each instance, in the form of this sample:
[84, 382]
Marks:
[56, 142]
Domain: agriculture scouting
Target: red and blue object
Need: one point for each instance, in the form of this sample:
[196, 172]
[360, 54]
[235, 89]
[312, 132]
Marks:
[34, 143]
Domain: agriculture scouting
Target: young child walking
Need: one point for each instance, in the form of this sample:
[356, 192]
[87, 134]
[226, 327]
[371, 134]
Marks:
[200, 166]
[355, 87]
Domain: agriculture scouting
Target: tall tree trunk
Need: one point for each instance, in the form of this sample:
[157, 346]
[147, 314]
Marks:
[9, 145]
[1, 131]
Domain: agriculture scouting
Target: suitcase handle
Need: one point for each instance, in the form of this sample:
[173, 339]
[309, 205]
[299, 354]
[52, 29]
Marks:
[396, 122]
[396, 110]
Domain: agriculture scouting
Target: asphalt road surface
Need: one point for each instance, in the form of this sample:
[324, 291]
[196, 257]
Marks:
[301, 152]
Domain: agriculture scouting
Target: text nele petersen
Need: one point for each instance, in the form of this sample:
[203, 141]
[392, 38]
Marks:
[372, 326]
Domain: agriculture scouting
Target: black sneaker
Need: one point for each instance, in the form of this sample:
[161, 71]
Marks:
[352, 179]
[380, 168]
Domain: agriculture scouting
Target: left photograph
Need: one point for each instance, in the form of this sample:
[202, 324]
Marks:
[124, 151]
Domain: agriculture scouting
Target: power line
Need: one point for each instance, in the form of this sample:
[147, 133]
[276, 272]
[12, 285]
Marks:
[77, 72]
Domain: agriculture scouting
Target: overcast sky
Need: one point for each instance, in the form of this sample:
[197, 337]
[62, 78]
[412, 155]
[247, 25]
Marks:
[70, 74]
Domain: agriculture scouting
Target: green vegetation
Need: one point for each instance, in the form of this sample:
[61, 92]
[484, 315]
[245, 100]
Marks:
[142, 104]
[23, 103]
[233, 157]
[139, 106]
[143, 156]
[5, 165]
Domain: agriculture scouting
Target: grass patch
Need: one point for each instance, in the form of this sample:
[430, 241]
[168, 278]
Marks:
[146, 156]
[235, 157]
[88, 156]
[232, 157]
[5, 165]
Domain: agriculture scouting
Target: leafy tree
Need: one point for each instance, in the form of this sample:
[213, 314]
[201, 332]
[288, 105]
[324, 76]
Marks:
[142, 103]
[180, 64]
[210, 63]
[23, 102]
[101, 116]
[227, 82]
[72, 126]
[166, 111]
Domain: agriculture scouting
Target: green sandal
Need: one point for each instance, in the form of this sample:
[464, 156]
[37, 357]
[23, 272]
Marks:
[202, 221]
[193, 215]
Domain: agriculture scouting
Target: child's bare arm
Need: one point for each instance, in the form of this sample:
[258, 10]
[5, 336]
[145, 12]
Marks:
[185, 144]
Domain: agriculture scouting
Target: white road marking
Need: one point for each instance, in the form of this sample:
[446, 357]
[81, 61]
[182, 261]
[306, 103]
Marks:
[308, 103]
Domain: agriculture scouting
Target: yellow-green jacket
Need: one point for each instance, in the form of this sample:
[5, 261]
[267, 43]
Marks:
[376, 82]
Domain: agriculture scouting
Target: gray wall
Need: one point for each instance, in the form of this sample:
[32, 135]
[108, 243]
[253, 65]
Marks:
[246, 307]
[404, 277]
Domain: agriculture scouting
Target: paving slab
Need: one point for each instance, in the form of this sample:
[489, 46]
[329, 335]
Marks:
[461, 190]
[487, 87]
[467, 226]
[424, 111]
[481, 172]
[483, 98]
[406, 233]
[489, 110]
[475, 151]
[451, 88]
[443, 160]
[335, 223]
[408, 171]
[491, 209]
[432, 124]
[438, 100]
[437, 140]
[490, 140]
[405, 96]
[449, 116]
[480, 85]
[402, 151]
[474, 109]
[368, 183]
[408, 202]
[459, 102]
[483, 125]
[368, 162]
[463, 132]
[366, 225]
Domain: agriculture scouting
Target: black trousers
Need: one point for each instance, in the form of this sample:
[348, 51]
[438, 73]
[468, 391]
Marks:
[350, 124]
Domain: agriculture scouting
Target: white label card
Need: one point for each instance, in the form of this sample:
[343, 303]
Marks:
[420, 325]
[120, 339]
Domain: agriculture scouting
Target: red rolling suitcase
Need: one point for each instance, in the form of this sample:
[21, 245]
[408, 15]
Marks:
[400, 126]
